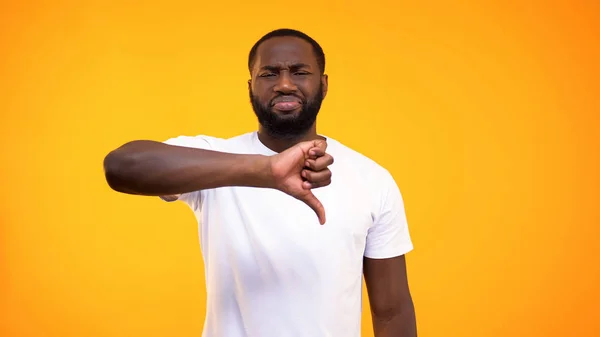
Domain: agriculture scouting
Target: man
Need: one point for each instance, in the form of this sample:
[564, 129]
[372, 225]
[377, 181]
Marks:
[286, 233]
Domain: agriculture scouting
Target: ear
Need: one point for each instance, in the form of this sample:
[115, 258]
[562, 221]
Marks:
[325, 84]
[250, 89]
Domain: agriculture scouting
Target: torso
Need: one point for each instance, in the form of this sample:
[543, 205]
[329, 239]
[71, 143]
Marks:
[271, 268]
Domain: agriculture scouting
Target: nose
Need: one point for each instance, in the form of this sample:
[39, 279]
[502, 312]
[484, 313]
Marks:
[285, 84]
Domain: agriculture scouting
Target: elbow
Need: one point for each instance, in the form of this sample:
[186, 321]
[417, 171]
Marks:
[117, 167]
[395, 322]
[113, 163]
[385, 313]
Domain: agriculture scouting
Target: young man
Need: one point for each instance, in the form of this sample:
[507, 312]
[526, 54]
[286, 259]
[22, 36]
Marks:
[286, 233]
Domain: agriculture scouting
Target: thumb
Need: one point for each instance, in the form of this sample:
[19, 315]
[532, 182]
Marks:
[321, 144]
[318, 145]
[316, 205]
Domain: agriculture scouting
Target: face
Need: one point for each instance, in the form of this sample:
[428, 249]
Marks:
[287, 88]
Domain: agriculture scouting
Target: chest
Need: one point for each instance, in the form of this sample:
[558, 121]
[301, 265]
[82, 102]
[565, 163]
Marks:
[264, 221]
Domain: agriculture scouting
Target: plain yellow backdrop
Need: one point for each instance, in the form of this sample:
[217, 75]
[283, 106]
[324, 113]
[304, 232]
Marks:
[485, 112]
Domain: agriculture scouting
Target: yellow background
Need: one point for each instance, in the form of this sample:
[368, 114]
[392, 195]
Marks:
[486, 113]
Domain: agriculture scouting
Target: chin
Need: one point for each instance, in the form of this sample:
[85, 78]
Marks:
[288, 113]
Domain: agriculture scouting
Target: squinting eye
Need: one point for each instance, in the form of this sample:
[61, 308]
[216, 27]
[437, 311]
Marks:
[267, 75]
[301, 73]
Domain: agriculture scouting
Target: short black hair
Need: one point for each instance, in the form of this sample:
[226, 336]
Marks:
[320, 55]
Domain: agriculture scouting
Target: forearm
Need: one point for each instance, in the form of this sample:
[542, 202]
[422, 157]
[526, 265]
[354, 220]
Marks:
[397, 325]
[156, 169]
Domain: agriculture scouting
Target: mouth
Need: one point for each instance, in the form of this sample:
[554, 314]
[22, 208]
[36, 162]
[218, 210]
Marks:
[286, 103]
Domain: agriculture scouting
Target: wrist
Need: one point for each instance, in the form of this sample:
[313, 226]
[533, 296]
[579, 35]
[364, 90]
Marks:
[259, 172]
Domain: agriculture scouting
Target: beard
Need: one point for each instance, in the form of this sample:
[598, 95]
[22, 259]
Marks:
[288, 127]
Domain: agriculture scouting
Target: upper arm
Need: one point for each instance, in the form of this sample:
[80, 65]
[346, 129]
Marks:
[387, 286]
[389, 235]
[388, 240]
[193, 199]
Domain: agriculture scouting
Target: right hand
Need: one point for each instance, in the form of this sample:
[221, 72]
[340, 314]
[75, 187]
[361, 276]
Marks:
[301, 168]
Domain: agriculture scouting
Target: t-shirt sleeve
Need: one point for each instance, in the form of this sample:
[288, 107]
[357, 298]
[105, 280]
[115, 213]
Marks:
[193, 199]
[389, 235]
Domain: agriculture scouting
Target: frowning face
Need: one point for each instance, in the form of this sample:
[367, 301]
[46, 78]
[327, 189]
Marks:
[287, 87]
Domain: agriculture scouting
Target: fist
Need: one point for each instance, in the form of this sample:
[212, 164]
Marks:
[301, 168]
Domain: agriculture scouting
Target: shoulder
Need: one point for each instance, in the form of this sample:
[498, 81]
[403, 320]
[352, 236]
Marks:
[350, 159]
[203, 141]
[199, 141]
[374, 183]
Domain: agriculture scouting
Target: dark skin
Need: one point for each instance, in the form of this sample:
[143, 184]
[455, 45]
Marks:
[151, 168]
[392, 309]
[287, 65]
[283, 65]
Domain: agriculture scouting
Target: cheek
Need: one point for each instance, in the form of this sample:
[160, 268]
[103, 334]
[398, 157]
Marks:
[262, 90]
[310, 87]
[261, 99]
[309, 94]
[257, 93]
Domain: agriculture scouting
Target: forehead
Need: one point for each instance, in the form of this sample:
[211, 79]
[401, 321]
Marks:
[283, 51]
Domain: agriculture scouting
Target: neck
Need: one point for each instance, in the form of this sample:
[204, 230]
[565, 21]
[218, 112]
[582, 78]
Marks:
[279, 145]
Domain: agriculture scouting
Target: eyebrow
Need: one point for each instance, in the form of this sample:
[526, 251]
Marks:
[292, 66]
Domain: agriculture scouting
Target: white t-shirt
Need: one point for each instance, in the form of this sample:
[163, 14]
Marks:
[271, 269]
